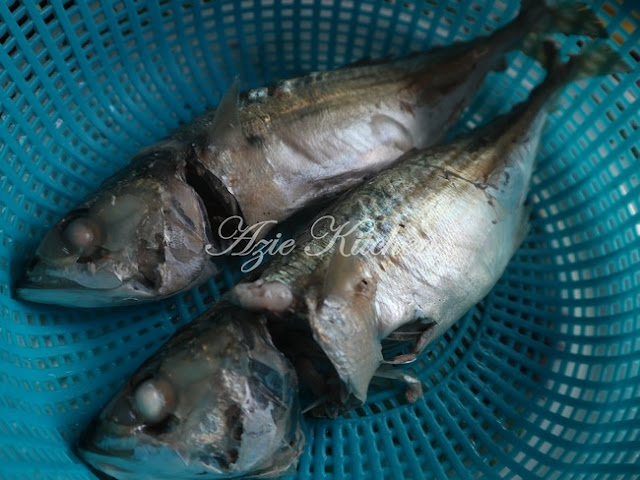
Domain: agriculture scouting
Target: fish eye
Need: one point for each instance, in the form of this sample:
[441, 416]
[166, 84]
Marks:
[154, 400]
[82, 234]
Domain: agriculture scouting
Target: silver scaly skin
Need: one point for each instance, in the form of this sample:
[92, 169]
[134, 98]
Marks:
[221, 400]
[217, 401]
[265, 155]
[425, 240]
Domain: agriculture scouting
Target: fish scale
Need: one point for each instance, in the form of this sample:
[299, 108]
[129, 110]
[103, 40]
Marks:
[383, 199]
[445, 221]
[328, 314]
[264, 156]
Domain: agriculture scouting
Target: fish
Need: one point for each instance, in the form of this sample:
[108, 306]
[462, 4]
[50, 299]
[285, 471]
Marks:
[218, 400]
[159, 226]
[413, 248]
[221, 398]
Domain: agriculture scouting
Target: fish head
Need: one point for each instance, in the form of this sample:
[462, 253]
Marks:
[218, 401]
[139, 238]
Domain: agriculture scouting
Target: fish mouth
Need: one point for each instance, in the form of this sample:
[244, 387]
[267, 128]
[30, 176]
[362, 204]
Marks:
[116, 461]
[64, 292]
[138, 462]
[108, 466]
[102, 463]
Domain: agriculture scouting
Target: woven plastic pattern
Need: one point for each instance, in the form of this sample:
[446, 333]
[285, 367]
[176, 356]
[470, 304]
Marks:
[541, 380]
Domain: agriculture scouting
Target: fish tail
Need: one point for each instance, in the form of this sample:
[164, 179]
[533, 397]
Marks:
[596, 59]
[593, 61]
[569, 18]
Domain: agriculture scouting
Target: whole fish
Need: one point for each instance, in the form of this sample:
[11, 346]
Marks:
[149, 231]
[419, 244]
[217, 401]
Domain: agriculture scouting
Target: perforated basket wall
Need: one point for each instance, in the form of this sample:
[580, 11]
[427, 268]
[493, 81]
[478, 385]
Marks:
[539, 381]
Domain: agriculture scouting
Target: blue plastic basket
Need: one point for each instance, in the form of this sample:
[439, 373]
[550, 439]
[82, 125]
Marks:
[539, 381]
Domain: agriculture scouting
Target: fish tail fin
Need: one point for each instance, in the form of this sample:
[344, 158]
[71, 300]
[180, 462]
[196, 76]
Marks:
[549, 55]
[594, 60]
[568, 18]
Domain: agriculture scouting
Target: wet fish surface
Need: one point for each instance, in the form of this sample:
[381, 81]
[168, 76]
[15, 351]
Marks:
[422, 242]
[432, 235]
[264, 155]
[220, 400]
[217, 401]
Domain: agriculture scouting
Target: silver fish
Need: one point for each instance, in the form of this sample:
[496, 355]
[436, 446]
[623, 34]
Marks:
[264, 155]
[217, 401]
[422, 242]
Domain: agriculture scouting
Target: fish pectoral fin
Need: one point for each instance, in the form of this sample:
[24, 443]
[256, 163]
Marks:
[349, 338]
[412, 383]
[226, 124]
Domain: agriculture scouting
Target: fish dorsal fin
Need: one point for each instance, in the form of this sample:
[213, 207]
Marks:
[369, 61]
[226, 124]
